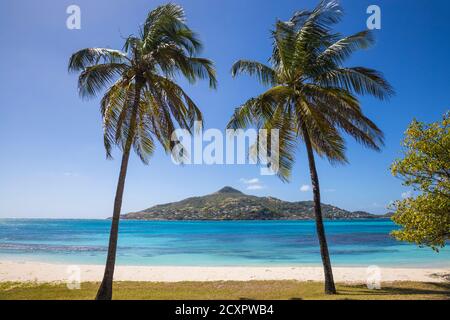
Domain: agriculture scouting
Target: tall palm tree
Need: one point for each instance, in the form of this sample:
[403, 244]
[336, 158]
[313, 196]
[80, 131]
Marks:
[312, 98]
[142, 101]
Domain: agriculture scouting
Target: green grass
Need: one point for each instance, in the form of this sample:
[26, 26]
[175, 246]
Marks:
[263, 290]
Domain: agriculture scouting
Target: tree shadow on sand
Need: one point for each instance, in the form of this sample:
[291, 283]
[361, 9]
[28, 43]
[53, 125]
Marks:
[442, 275]
[437, 289]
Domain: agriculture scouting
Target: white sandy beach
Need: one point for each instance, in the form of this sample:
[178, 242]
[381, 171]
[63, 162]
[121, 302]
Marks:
[47, 272]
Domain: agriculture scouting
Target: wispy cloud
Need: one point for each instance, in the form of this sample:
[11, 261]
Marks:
[255, 187]
[252, 184]
[305, 188]
[249, 181]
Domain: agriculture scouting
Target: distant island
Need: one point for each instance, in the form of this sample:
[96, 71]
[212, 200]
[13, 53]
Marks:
[231, 204]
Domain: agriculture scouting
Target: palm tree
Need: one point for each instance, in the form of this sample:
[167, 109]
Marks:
[142, 101]
[312, 97]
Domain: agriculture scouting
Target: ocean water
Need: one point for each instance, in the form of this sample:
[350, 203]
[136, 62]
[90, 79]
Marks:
[207, 243]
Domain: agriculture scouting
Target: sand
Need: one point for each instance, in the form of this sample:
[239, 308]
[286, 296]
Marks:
[49, 272]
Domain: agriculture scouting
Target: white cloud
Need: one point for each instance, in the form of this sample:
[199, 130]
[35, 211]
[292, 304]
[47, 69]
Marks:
[255, 187]
[305, 188]
[407, 194]
[252, 184]
[250, 181]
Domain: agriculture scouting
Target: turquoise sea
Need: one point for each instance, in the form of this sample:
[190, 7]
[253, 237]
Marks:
[207, 243]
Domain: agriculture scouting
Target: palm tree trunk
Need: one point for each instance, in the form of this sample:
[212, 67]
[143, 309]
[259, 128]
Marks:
[105, 290]
[329, 281]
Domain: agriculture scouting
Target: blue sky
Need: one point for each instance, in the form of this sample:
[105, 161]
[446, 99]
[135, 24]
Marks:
[53, 162]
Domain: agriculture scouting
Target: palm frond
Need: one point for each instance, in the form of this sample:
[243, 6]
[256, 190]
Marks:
[97, 77]
[340, 50]
[325, 139]
[359, 80]
[261, 109]
[162, 15]
[167, 24]
[201, 68]
[114, 105]
[287, 142]
[266, 75]
[92, 56]
[132, 43]
[143, 143]
[343, 111]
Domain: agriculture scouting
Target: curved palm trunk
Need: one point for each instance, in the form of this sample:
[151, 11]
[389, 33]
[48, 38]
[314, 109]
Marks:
[329, 281]
[105, 290]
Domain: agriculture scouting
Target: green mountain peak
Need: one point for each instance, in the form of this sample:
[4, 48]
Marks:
[228, 189]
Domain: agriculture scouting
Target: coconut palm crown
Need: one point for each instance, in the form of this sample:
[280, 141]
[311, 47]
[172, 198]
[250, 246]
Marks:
[142, 100]
[311, 92]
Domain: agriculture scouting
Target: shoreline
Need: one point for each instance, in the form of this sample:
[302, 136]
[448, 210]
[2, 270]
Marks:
[14, 271]
[311, 265]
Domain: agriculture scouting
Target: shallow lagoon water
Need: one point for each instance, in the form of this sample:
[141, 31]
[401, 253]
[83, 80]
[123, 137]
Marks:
[212, 243]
